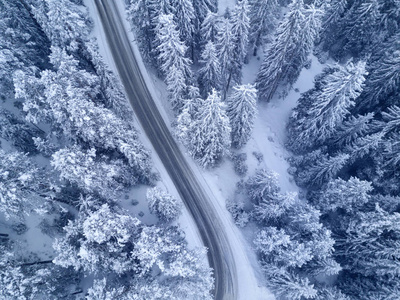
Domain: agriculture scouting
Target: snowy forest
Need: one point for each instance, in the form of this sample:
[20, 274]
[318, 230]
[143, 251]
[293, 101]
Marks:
[84, 210]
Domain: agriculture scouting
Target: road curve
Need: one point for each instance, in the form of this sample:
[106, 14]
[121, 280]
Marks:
[220, 256]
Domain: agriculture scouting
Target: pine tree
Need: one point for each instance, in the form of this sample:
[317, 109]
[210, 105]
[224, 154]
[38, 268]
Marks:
[331, 21]
[241, 110]
[225, 49]
[263, 184]
[91, 173]
[65, 23]
[286, 55]
[351, 129]
[361, 26]
[171, 50]
[323, 170]
[139, 15]
[349, 195]
[240, 30]
[209, 28]
[185, 20]
[370, 244]
[262, 18]
[65, 97]
[382, 83]
[19, 133]
[287, 284]
[23, 186]
[176, 87]
[166, 207]
[210, 132]
[326, 106]
[210, 73]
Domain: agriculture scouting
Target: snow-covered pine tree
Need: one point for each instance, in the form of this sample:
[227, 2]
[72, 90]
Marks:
[288, 52]
[210, 132]
[262, 17]
[139, 15]
[323, 170]
[288, 285]
[210, 72]
[351, 129]
[329, 30]
[240, 30]
[370, 244]
[23, 186]
[383, 81]
[209, 28]
[65, 23]
[65, 97]
[361, 27]
[172, 59]
[225, 48]
[241, 110]
[176, 87]
[349, 195]
[262, 184]
[185, 20]
[91, 173]
[166, 207]
[171, 50]
[323, 109]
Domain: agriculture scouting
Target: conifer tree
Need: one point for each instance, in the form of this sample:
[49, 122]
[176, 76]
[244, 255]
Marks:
[286, 55]
[383, 82]
[262, 15]
[323, 170]
[210, 132]
[240, 30]
[241, 110]
[210, 73]
[185, 19]
[322, 109]
[209, 28]
[225, 48]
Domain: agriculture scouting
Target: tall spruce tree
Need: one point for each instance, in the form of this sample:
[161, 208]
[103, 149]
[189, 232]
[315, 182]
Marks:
[322, 109]
[288, 52]
[210, 72]
[241, 110]
[210, 132]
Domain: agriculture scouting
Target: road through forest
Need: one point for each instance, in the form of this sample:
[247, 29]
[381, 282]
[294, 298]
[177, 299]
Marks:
[195, 198]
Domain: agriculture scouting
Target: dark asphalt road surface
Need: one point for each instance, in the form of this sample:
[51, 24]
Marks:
[196, 200]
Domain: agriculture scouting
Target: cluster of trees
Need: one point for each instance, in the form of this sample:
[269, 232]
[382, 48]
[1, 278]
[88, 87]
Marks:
[72, 152]
[344, 133]
[214, 111]
[294, 248]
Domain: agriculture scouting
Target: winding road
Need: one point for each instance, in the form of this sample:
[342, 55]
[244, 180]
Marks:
[195, 198]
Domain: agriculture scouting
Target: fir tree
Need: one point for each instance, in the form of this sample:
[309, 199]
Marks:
[210, 132]
[240, 30]
[349, 195]
[322, 109]
[185, 19]
[286, 55]
[323, 170]
[262, 18]
[225, 48]
[383, 81]
[166, 207]
[210, 73]
[209, 28]
[241, 110]
[171, 50]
